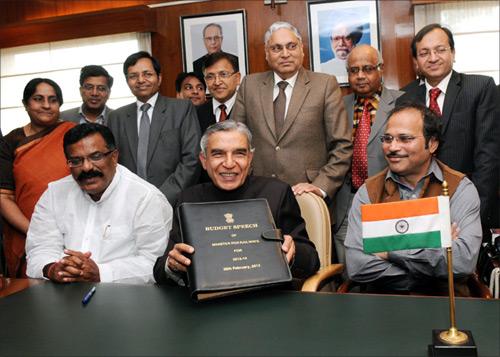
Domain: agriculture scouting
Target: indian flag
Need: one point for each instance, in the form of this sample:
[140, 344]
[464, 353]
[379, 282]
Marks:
[410, 224]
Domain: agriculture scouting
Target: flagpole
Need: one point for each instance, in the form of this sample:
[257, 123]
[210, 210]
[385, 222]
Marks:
[451, 336]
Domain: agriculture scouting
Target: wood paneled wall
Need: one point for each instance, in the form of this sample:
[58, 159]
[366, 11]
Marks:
[94, 17]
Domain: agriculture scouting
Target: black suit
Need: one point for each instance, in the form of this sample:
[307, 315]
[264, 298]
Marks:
[470, 135]
[284, 208]
[206, 115]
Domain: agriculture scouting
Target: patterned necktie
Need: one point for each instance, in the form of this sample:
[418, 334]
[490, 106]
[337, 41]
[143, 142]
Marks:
[223, 114]
[433, 104]
[359, 168]
[279, 107]
[142, 145]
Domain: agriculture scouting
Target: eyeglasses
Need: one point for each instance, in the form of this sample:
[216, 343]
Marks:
[213, 38]
[135, 76]
[438, 51]
[290, 46]
[403, 139]
[222, 75]
[90, 88]
[95, 157]
[365, 69]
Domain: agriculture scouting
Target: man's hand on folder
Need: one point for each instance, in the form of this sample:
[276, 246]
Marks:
[177, 260]
[288, 247]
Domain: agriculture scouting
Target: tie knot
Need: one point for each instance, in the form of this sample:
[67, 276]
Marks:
[145, 107]
[434, 92]
[222, 107]
[282, 85]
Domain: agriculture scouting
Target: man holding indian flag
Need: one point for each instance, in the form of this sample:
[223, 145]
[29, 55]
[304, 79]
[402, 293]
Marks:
[395, 243]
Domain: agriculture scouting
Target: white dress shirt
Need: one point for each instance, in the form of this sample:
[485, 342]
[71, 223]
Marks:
[228, 103]
[151, 101]
[443, 85]
[126, 230]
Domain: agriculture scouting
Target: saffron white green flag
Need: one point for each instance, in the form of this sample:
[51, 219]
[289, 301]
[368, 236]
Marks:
[409, 224]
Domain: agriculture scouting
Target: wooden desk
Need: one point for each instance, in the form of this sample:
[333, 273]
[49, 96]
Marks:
[126, 320]
[11, 286]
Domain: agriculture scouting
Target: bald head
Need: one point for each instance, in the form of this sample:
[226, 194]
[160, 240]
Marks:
[365, 69]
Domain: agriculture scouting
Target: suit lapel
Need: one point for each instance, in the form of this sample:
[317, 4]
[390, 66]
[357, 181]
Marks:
[157, 123]
[381, 117]
[131, 130]
[450, 99]
[349, 107]
[299, 94]
[266, 99]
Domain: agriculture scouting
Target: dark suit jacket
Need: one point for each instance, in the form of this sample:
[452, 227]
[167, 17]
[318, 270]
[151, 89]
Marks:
[198, 64]
[73, 115]
[206, 115]
[470, 134]
[173, 147]
[284, 208]
[376, 158]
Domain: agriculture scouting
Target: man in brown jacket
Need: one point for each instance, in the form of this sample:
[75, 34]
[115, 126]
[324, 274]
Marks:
[297, 118]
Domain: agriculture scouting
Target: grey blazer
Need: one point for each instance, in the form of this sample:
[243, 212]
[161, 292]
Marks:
[73, 115]
[376, 159]
[173, 148]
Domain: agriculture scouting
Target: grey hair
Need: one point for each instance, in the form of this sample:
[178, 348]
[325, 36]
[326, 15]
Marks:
[380, 60]
[226, 125]
[278, 25]
[212, 25]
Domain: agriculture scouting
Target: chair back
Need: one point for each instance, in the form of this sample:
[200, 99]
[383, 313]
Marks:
[315, 213]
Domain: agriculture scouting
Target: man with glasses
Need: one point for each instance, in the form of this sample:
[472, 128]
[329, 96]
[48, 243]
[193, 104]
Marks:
[101, 224]
[212, 38]
[222, 76]
[157, 136]
[367, 108]
[409, 143]
[95, 88]
[297, 118]
[469, 111]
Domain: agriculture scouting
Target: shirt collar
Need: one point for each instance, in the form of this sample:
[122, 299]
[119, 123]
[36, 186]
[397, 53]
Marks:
[433, 169]
[291, 81]
[228, 103]
[151, 101]
[100, 116]
[443, 85]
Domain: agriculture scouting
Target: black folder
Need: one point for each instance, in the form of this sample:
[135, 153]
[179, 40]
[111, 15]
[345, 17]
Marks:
[236, 247]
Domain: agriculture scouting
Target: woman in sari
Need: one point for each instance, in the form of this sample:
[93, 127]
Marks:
[30, 158]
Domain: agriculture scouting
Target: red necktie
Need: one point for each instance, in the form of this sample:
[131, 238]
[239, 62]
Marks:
[359, 168]
[223, 114]
[433, 104]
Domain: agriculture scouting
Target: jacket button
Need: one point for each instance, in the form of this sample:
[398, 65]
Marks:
[277, 148]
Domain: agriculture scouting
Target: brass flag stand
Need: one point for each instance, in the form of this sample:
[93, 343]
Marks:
[452, 342]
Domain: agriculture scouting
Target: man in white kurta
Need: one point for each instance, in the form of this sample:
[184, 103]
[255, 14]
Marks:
[102, 223]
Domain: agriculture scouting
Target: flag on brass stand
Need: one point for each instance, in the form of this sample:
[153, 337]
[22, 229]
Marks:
[410, 224]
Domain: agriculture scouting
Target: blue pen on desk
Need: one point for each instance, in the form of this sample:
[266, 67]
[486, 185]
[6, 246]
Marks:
[88, 296]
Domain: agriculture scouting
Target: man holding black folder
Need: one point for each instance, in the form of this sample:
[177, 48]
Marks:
[227, 156]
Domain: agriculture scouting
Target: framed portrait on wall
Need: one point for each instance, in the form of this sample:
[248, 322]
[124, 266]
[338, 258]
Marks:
[335, 28]
[208, 33]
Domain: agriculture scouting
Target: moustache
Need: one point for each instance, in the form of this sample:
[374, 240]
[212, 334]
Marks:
[393, 154]
[89, 174]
